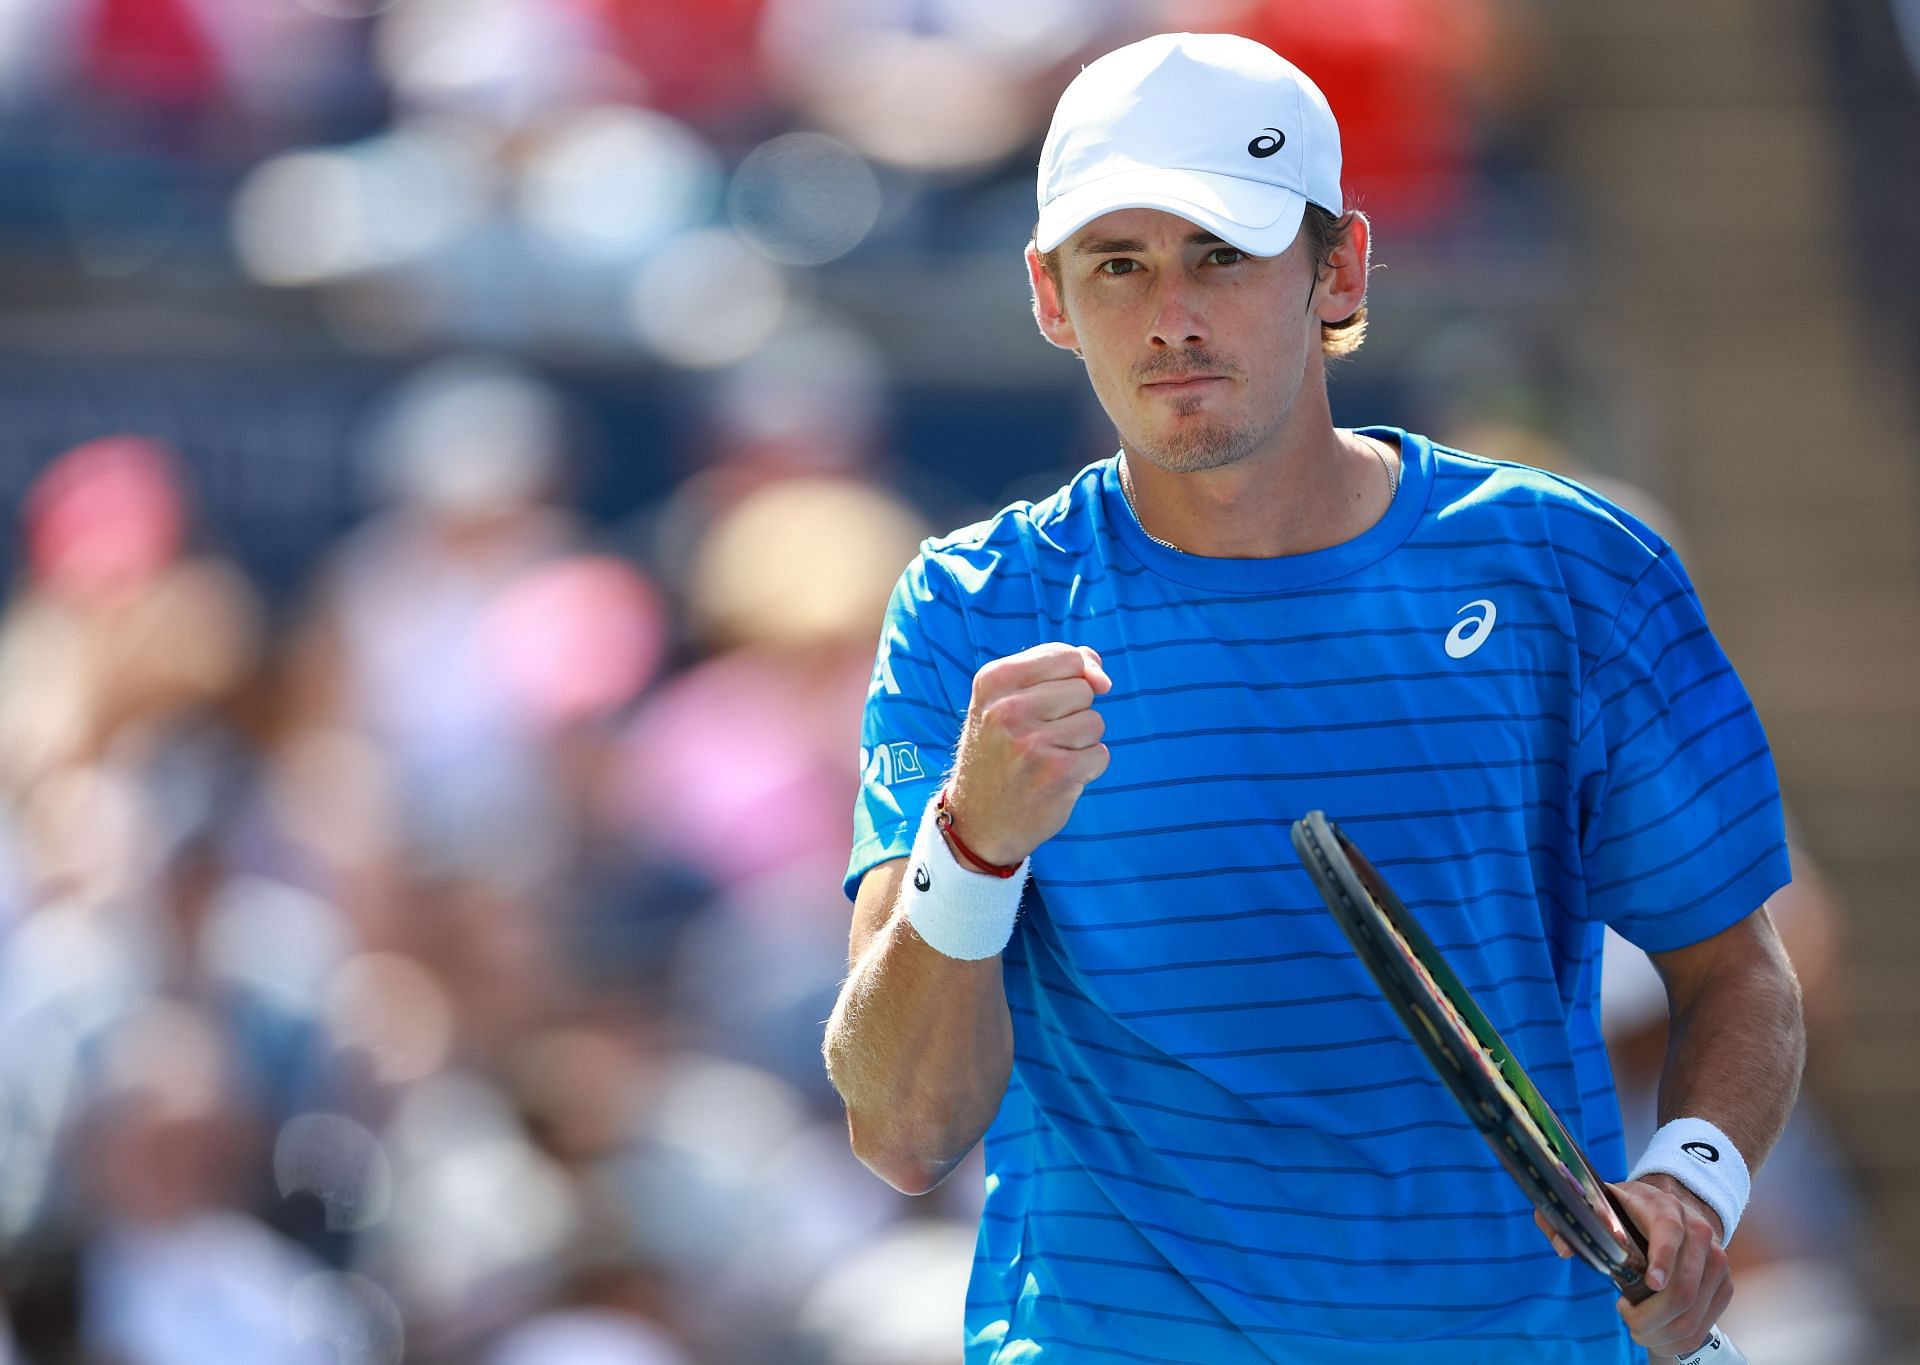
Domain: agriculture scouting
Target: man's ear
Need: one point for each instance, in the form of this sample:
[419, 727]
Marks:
[1049, 312]
[1343, 283]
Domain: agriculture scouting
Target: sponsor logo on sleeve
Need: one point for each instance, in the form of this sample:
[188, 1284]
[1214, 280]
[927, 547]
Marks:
[883, 681]
[892, 762]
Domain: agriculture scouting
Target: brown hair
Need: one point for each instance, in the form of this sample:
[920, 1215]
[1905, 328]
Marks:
[1325, 234]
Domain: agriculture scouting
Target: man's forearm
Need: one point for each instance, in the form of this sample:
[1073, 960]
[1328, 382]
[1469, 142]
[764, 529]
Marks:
[1735, 1053]
[920, 1044]
[920, 1047]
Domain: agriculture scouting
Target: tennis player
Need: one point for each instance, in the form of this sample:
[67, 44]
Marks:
[1080, 930]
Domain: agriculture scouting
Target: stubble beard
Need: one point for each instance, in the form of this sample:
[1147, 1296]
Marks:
[1195, 446]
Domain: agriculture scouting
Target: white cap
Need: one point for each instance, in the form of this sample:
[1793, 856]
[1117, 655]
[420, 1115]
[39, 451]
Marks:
[1215, 128]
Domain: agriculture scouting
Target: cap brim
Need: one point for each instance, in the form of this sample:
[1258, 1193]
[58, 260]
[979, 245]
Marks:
[1259, 218]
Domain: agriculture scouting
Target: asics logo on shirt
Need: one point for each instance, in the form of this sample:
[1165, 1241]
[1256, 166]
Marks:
[1470, 634]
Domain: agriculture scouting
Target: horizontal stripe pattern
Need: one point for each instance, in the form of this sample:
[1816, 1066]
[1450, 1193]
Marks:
[1218, 1140]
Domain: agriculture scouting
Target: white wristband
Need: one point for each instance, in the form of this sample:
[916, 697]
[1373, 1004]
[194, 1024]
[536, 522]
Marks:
[959, 912]
[1704, 1159]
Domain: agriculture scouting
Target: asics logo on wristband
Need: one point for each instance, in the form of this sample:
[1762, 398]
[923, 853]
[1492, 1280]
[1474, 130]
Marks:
[1705, 1160]
[969, 916]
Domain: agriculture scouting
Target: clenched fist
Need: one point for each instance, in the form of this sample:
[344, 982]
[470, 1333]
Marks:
[1030, 746]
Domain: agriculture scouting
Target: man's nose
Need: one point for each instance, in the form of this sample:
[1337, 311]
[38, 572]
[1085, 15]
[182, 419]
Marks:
[1177, 317]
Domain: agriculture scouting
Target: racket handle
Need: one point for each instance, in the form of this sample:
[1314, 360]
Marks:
[1717, 1349]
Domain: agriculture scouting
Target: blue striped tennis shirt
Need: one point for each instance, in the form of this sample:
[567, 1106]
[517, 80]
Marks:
[1217, 1145]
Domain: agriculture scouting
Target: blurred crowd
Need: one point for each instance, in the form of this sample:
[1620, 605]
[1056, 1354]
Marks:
[654, 178]
[416, 946]
[442, 965]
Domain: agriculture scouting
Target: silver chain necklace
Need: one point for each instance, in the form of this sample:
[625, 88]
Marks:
[1126, 491]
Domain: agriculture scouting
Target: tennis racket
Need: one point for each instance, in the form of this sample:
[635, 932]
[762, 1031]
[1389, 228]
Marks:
[1480, 1071]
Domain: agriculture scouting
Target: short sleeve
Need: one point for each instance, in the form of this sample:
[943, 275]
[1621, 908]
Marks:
[916, 703]
[1681, 827]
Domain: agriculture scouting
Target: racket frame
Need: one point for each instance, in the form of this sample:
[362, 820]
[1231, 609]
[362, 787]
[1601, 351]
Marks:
[1471, 1059]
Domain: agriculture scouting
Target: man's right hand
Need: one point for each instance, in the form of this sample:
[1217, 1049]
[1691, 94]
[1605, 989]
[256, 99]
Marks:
[1030, 746]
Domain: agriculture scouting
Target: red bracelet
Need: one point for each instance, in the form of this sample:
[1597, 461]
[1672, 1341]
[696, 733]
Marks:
[943, 817]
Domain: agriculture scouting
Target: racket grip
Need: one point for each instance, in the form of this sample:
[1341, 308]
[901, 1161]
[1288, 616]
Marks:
[1717, 1349]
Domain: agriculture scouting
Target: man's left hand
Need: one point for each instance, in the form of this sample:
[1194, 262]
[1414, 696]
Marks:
[1686, 1265]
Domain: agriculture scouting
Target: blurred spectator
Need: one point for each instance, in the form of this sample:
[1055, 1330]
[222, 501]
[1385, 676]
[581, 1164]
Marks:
[945, 86]
[174, 1272]
[742, 764]
[157, 52]
[917, 1317]
[401, 649]
[507, 62]
[120, 637]
[586, 1337]
[693, 57]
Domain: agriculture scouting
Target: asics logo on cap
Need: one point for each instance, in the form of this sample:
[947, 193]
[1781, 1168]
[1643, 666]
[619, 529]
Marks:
[1267, 146]
[1124, 137]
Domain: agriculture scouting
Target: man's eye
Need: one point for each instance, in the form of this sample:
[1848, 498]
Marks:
[1119, 266]
[1226, 255]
